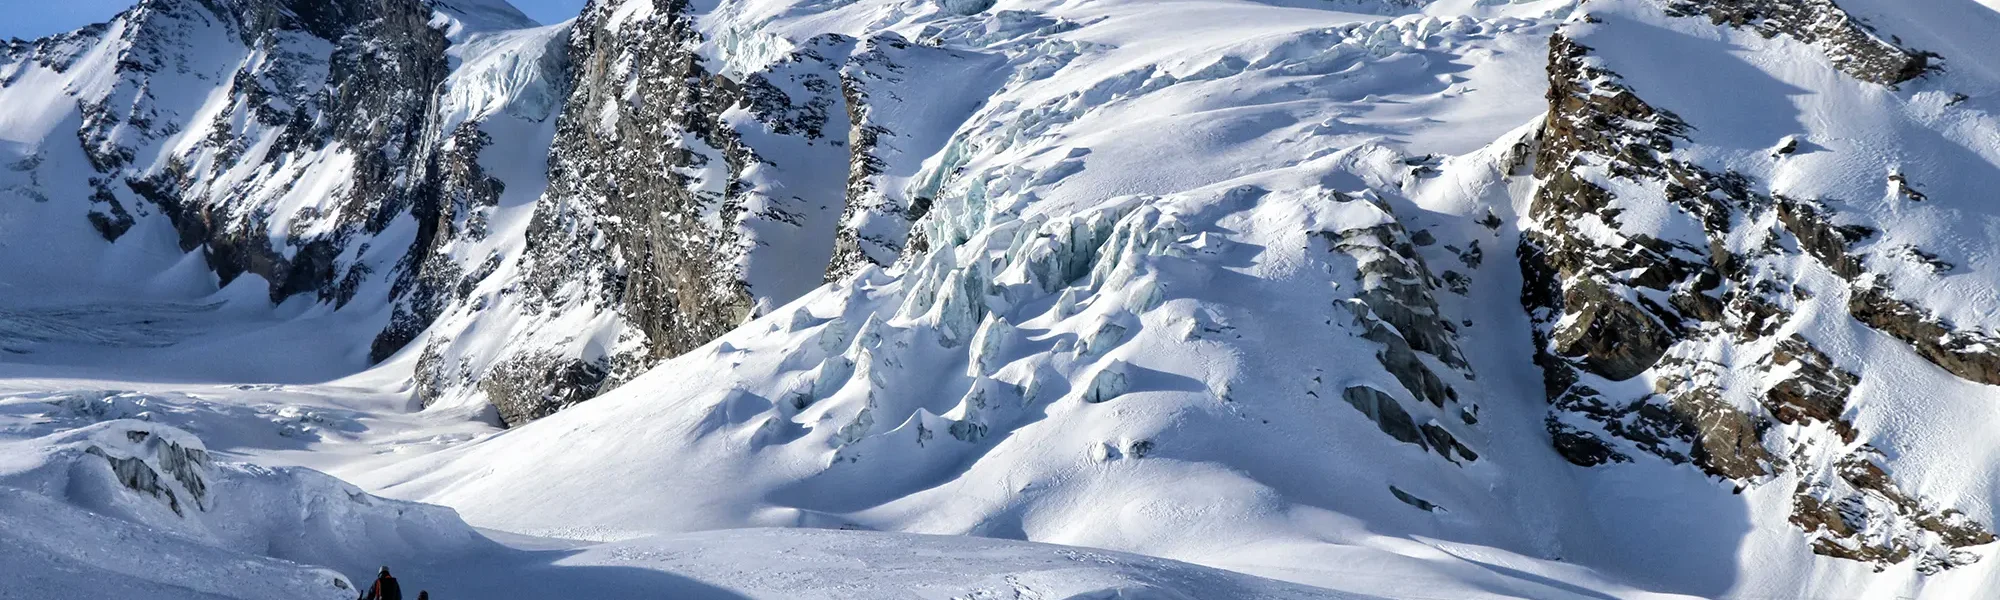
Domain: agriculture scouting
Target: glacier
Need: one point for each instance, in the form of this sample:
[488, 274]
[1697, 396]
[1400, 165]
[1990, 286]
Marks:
[1004, 299]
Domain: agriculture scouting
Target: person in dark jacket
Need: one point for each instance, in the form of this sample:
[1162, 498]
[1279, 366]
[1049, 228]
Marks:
[385, 588]
[424, 595]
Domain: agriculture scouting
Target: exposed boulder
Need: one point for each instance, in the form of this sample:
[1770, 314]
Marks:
[1382, 409]
[534, 385]
[1413, 500]
[1971, 355]
[1723, 440]
[1611, 337]
[1814, 390]
[1809, 223]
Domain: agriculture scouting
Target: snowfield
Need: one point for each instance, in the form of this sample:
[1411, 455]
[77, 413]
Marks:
[1004, 299]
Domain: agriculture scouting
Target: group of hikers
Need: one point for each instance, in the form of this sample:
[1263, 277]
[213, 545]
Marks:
[385, 588]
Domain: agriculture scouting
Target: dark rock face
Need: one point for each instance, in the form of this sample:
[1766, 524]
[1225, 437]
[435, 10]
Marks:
[57, 52]
[658, 211]
[1397, 309]
[460, 196]
[1968, 354]
[1592, 297]
[373, 104]
[342, 97]
[531, 386]
[1847, 512]
[1722, 439]
[1612, 330]
[110, 219]
[1820, 238]
[655, 210]
[1847, 43]
[1582, 448]
[666, 244]
[1611, 337]
[1611, 303]
[368, 97]
[680, 216]
[1971, 355]
[1685, 421]
[1815, 392]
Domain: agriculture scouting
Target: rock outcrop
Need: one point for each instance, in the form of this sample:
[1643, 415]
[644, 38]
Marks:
[1847, 43]
[665, 213]
[875, 222]
[322, 141]
[1691, 305]
[1396, 309]
[367, 100]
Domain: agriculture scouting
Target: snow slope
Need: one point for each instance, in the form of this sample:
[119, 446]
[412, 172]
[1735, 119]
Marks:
[129, 508]
[780, 299]
[1019, 381]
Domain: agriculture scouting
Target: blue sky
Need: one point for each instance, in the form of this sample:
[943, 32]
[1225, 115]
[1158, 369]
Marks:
[546, 11]
[36, 18]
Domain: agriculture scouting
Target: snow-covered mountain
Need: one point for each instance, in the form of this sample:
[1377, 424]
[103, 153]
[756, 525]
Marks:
[1225, 282]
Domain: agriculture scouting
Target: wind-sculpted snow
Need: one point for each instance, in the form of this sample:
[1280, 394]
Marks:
[125, 505]
[262, 426]
[883, 400]
[160, 486]
[820, 566]
[53, 549]
[145, 325]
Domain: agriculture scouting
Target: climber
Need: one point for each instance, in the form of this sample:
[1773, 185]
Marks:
[385, 588]
[423, 595]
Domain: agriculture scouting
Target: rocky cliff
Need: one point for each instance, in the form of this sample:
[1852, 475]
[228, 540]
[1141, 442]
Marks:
[304, 144]
[1666, 322]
